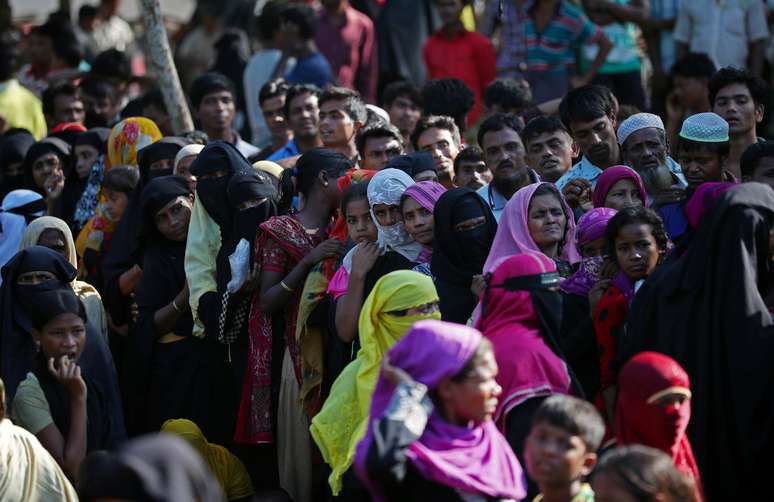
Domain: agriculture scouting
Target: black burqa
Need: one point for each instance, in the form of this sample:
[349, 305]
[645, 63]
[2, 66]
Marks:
[75, 185]
[101, 431]
[124, 249]
[13, 149]
[17, 350]
[459, 255]
[707, 311]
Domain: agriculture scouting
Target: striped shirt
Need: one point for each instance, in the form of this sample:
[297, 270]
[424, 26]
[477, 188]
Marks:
[554, 49]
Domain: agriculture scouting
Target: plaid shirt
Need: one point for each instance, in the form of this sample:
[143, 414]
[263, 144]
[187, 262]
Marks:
[512, 52]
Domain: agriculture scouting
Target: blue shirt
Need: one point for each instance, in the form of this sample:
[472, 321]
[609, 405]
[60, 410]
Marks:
[311, 69]
[586, 170]
[495, 200]
[289, 150]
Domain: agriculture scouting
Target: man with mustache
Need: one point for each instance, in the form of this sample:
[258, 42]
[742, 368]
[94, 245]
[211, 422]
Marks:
[303, 115]
[550, 148]
[505, 156]
[439, 135]
[645, 149]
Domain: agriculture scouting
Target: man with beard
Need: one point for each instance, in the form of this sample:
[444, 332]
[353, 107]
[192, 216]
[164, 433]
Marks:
[505, 156]
[550, 148]
[588, 112]
[303, 115]
[645, 149]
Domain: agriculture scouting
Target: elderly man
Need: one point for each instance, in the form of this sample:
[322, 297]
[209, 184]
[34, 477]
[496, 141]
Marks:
[644, 147]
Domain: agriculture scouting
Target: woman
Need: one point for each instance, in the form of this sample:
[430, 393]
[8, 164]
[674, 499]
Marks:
[462, 235]
[442, 376]
[619, 187]
[398, 300]
[65, 407]
[13, 149]
[520, 315]
[34, 270]
[183, 161]
[654, 407]
[536, 220]
[19, 208]
[416, 207]
[90, 153]
[707, 310]
[53, 233]
[46, 166]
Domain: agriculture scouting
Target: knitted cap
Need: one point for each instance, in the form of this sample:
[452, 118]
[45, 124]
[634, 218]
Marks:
[705, 127]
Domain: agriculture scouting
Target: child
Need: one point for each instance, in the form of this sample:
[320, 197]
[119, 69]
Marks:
[561, 448]
[640, 473]
[757, 163]
[636, 241]
[702, 151]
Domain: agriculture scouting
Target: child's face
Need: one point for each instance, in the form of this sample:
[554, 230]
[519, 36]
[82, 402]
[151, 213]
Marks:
[636, 250]
[360, 226]
[116, 203]
[700, 166]
[764, 171]
[593, 248]
[554, 457]
[419, 221]
[62, 336]
[609, 489]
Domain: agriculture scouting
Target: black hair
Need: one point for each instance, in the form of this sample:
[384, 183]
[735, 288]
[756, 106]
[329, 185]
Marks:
[53, 91]
[209, 83]
[721, 148]
[268, 21]
[435, 122]
[694, 65]
[759, 90]
[87, 12]
[585, 104]
[634, 216]
[508, 93]
[99, 88]
[272, 89]
[302, 16]
[644, 472]
[470, 153]
[542, 125]
[484, 348]
[576, 416]
[121, 179]
[378, 130]
[297, 90]
[114, 65]
[401, 88]
[498, 122]
[354, 106]
[356, 191]
[154, 98]
[448, 96]
[64, 41]
[302, 177]
[9, 54]
[753, 154]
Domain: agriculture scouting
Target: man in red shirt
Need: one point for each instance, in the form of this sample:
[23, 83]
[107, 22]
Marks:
[457, 53]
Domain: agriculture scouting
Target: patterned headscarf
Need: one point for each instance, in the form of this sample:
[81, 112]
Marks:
[127, 138]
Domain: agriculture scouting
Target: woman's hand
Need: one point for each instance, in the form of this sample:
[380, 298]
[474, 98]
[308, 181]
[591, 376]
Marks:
[364, 257]
[478, 285]
[332, 248]
[69, 375]
[596, 292]
[394, 374]
[54, 185]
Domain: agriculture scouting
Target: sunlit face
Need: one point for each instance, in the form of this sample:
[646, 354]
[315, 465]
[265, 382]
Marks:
[360, 225]
[441, 144]
[735, 104]
[336, 126]
[475, 398]
[273, 110]
[596, 139]
[377, 152]
[216, 111]
[553, 455]
[636, 250]
[546, 221]
[550, 154]
[623, 193]
[62, 336]
[387, 214]
[172, 220]
[304, 116]
[419, 221]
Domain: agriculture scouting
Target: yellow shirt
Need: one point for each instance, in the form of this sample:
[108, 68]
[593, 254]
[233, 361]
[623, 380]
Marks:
[20, 108]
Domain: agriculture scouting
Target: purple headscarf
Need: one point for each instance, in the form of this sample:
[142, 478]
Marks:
[426, 193]
[613, 175]
[513, 235]
[591, 227]
[474, 459]
[704, 199]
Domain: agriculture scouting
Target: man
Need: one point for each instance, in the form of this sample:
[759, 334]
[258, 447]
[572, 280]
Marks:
[213, 103]
[347, 39]
[296, 39]
[740, 98]
[377, 144]
[550, 148]
[154, 108]
[757, 163]
[470, 170]
[505, 156]
[62, 103]
[507, 95]
[101, 102]
[53, 53]
[691, 75]
[111, 31]
[474, 57]
[403, 103]
[19, 108]
[303, 115]
[342, 115]
[588, 113]
[731, 33]
[271, 100]
[645, 149]
[440, 136]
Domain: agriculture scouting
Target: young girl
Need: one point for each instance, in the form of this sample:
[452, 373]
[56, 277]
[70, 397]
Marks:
[416, 206]
[57, 402]
[619, 187]
[636, 240]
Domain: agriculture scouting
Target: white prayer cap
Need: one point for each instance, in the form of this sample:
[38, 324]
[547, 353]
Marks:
[636, 122]
[705, 127]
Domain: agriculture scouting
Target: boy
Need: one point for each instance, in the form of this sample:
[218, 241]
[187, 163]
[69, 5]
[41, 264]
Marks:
[470, 170]
[757, 163]
[377, 144]
[342, 114]
[561, 447]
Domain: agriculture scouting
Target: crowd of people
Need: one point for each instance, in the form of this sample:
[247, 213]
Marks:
[397, 259]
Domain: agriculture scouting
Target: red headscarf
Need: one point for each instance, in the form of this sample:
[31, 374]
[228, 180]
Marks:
[613, 175]
[640, 419]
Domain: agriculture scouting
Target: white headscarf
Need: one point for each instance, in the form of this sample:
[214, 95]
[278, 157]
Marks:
[187, 151]
[387, 187]
[13, 225]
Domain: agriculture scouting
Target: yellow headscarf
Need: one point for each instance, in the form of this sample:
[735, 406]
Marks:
[229, 470]
[32, 234]
[127, 138]
[342, 421]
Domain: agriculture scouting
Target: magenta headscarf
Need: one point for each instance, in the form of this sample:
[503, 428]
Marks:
[528, 367]
[474, 459]
[704, 199]
[613, 175]
[426, 193]
[591, 227]
[513, 235]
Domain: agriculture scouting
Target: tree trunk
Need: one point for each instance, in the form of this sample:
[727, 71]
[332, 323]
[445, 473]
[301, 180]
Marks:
[164, 67]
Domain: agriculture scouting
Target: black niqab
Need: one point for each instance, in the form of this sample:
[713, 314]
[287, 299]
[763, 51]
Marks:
[163, 149]
[95, 137]
[13, 150]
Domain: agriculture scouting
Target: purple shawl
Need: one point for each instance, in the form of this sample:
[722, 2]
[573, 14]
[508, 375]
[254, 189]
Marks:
[591, 227]
[613, 175]
[426, 193]
[474, 459]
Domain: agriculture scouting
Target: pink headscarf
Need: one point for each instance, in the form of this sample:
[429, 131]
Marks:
[513, 235]
[591, 227]
[613, 175]
[426, 193]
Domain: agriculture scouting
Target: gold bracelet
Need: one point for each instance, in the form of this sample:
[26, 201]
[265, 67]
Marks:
[286, 287]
